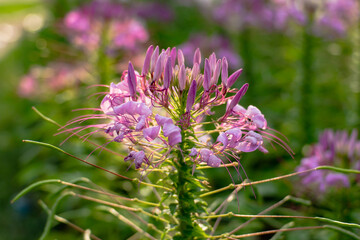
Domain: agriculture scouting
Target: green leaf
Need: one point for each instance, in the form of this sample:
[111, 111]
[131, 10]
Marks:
[173, 207]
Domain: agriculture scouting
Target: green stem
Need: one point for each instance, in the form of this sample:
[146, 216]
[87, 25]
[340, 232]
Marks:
[185, 198]
[306, 88]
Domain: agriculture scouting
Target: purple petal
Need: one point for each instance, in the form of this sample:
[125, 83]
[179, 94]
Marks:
[193, 152]
[174, 138]
[223, 139]
[250, 143]
[130, 156]
[151, 133]
[141, 123]
[133, 108]
[214, 161]
[139, 159]
[162, 120]
[170, 128]
[106, 105]
[236, 134]
[205, 154]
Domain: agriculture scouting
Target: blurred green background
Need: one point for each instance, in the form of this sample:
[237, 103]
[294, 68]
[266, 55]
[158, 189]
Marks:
[31, 35]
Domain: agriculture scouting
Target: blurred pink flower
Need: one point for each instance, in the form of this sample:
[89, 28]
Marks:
[336, 149]
[86, 25]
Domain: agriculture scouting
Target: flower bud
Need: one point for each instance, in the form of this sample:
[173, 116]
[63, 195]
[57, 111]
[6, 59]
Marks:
[207, 76]
[167, 73]
[232, 79]
[182, 77]
[191, 96]
[147, 60]
[131, 80]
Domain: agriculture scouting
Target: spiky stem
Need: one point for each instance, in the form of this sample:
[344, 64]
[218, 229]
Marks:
[185, 199]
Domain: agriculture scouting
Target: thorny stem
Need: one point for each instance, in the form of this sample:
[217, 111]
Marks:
[185, 199]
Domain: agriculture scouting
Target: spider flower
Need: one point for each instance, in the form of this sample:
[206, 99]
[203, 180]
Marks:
[162, 110]
[335, 149]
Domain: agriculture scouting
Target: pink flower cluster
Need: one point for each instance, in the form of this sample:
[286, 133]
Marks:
[269, 15]
[43, 82]
[86, 26]
[163, 108]
[330, 18]
[334, 149]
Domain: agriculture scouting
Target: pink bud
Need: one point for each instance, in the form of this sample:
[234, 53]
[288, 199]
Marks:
[193, 152]
[170, 128]
[223, 139]
[141, 123]
[212, 60]
[182, 77]
[191, 96]
[154, 58]
[147, 60]
[205, 154]
[167, 73]
[207, 76]
[173, 56]
[180, 58]
[131, 80]
[197, 56]
[161, 120]
[237, 97]
[224, 72]
[232, 79]
[195, 71]
[214, 161]
[158, 69]
[216, 73]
